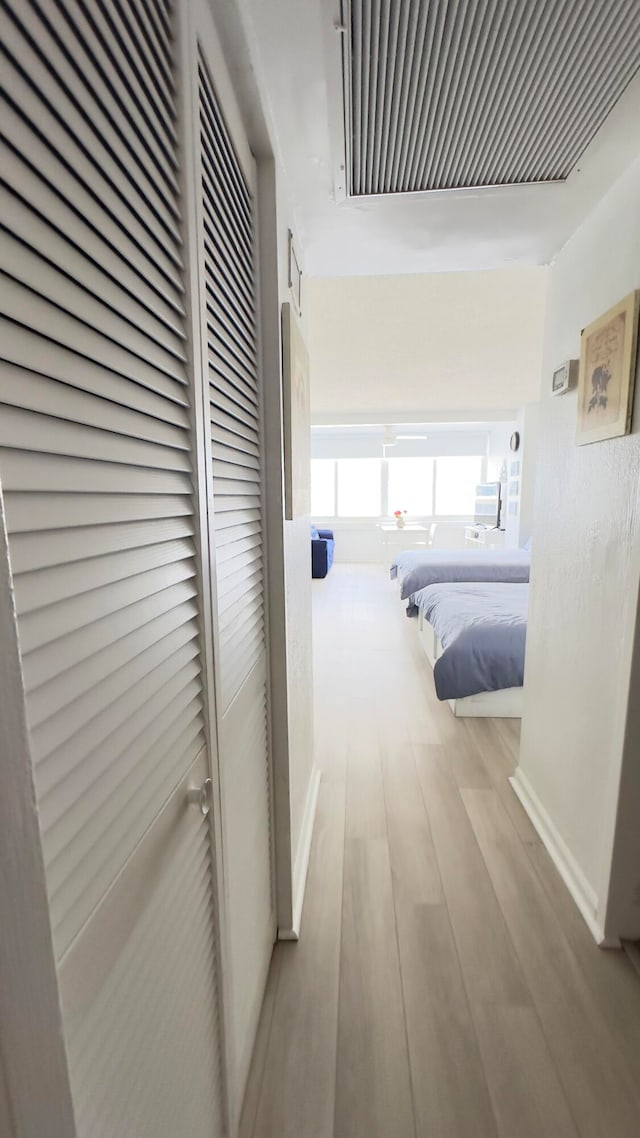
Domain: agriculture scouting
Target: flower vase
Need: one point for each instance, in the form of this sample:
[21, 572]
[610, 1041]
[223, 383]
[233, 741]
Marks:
[400, 523]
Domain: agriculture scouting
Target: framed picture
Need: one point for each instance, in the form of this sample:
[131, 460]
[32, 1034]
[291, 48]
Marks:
[295, 275]
[607, 373]
[297, 446]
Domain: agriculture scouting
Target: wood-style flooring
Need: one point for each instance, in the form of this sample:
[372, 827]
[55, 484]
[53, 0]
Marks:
[444, 985]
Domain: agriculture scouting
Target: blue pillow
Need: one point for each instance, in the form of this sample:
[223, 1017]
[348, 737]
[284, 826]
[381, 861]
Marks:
[314, 533]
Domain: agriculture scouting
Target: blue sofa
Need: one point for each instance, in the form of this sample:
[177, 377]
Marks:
[321, 551]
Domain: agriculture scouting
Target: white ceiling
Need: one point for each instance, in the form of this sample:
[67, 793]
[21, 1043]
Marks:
[295, 55]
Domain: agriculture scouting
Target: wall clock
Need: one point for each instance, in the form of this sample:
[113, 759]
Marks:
[514, 441]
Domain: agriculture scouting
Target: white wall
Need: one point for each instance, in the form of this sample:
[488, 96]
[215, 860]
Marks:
[360, 541]
[521, 467]
[529, 460]
[462, 342]
[297, 547]
[289, 576]
[584, 586]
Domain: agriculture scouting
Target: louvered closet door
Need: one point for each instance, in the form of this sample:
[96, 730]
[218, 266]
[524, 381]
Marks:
[97, 470]
[229, 316]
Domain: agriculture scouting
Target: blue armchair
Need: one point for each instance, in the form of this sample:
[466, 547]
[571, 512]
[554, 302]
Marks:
[321, 551]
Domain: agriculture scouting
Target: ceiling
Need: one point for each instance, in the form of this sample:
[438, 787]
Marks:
[445, 95]
[580, 56]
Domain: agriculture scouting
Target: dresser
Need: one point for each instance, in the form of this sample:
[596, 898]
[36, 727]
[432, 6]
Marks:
[477, 537]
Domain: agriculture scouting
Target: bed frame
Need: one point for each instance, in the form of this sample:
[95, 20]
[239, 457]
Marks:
[504, 704]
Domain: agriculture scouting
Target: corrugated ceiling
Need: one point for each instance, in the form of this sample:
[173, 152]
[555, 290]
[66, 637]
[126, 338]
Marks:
[446, 94]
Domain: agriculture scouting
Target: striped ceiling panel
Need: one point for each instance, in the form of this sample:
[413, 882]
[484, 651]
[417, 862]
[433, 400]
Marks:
[447, 94]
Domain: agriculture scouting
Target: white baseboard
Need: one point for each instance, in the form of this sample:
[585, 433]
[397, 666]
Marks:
[582, 892]
[301, 863]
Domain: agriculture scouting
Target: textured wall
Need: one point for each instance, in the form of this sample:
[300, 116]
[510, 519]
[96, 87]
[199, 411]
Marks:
[586, 536]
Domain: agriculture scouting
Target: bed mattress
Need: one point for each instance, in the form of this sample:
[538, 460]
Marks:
[482, 628]
[417, 568]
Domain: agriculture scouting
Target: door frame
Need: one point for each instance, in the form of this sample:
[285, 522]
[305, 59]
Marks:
[188, 117]
[195, 21]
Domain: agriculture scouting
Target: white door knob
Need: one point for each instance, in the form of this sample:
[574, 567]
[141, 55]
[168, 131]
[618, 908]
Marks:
[201, 796]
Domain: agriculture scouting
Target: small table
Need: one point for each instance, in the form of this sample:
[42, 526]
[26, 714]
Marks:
[395, 538]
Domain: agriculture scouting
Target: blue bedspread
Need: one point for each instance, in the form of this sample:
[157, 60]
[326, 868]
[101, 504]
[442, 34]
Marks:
[482, 629]
[418, 568]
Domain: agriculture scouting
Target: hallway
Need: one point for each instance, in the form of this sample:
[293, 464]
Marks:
[445, 985]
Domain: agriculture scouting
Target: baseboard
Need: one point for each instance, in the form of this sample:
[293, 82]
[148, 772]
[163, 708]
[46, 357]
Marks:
[564, 861]
[301, 863]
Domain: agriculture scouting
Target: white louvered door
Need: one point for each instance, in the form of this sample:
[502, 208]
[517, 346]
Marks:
[228, 270]
[97, 468]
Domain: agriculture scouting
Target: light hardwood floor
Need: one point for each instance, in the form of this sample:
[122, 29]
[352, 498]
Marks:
[444, 985]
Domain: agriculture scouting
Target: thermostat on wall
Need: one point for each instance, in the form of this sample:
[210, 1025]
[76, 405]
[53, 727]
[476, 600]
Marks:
[564, 377]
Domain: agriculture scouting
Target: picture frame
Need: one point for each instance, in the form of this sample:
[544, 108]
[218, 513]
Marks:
[608, 351]
[296, 418]
[294, 274]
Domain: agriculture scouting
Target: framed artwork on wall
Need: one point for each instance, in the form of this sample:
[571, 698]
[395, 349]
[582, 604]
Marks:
[297, 444]
[607, 372]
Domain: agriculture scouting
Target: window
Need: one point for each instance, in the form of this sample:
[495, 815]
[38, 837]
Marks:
[323, 487]
[410, 485]
[373, 488]
[456, 480]
[359, 487]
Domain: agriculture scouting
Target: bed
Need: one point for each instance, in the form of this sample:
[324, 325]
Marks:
[474, 634]
[415, 569]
